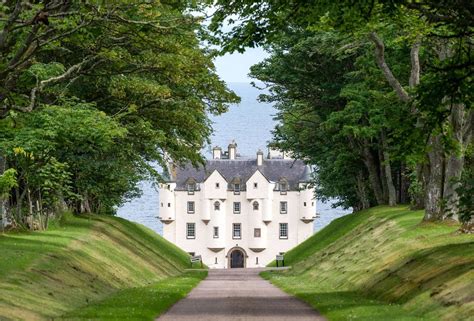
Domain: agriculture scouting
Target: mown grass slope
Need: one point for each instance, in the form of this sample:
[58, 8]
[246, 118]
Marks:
[84, 261]
[384, 264]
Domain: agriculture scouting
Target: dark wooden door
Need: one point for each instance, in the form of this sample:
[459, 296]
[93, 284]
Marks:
[237, 259]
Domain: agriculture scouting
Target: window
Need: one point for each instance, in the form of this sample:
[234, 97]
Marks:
[237, 207]
[283, 207]
[191, 187]
[236, 231]
[217, 206]
[215, 261]
[236, 188]
[255, 185]
[283, 187]
[216, 232]
[190, 207]
[190, 230]
[169, 204]
[257, 232]
[304, 203]
[256, 260]
[218, 185]
[161, 204]
[283, 230]
[255, 206]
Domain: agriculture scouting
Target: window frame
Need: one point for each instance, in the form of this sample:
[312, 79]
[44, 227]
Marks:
[214, 230]
[236, 188]
[255, 205]
[188, 236]
[234, 225]
[217, 206]
[285, 210]
[283, 187]
[191, 187]
[193, 207]
[283, 227]
[255, 234]
[240, 207]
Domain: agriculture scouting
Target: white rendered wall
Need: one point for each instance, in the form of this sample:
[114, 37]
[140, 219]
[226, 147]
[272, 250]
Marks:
[269, 208]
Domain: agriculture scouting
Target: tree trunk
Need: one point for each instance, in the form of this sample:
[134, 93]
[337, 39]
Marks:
[392, 194]
[404, 185]
[434, 185]
[3, 198]
[383, 177]
[459, 121]
[374, 178]
[362, 192]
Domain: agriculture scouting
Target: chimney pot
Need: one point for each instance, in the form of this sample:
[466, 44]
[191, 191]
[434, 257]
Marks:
[217, 153]
[259, 158]
[232, 150]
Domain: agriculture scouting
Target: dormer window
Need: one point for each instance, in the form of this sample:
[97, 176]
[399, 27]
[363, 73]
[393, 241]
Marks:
[217, 206]
[235, 185]
[255, 206]
[191, 186]
[283, 186]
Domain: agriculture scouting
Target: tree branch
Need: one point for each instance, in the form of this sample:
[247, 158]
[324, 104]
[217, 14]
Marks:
[415, 64]
[40, 86]
[11, 20]
[380, 58]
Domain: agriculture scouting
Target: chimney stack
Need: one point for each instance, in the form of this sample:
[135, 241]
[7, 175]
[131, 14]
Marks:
[232, 150]
[259, 158]
[216, 152]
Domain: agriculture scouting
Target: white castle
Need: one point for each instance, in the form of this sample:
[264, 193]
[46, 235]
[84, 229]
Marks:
[236, 211]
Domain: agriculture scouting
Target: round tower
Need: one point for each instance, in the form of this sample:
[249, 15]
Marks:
[307, 205]
[167, 212]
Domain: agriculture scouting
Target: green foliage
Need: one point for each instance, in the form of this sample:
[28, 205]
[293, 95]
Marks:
[362, 116]
[106, 90]
[8, 181]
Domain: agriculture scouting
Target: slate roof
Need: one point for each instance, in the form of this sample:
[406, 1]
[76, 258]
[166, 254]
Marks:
[294, 171]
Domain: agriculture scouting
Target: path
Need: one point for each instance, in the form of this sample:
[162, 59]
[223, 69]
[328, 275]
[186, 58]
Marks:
[239, 294]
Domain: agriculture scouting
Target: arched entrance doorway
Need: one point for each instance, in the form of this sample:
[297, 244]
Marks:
[236, 258]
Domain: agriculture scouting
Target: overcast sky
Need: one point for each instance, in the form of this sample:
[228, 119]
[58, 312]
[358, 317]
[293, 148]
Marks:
[235, 67]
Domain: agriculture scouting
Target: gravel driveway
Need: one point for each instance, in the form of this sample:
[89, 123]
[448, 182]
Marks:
[239, 294]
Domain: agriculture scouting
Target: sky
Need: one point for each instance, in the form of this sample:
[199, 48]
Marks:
[235, 67]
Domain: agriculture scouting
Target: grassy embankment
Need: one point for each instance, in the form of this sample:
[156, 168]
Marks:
[96, 268]
[383, 264]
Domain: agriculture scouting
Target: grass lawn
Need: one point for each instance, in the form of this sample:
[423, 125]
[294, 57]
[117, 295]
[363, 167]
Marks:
[144, 303]
[83, 262]
[384, 264]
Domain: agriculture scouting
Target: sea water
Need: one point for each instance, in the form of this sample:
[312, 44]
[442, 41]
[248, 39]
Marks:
[250, 124]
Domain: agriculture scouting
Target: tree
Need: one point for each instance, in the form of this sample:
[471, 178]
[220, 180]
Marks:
[130, 78]
[442, 102]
